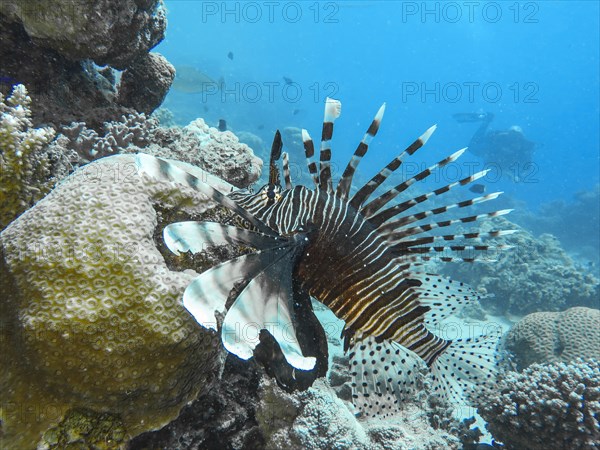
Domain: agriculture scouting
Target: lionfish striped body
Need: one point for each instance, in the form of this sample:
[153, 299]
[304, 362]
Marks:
[361, 260]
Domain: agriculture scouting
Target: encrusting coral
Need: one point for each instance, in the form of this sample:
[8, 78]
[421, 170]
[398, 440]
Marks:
[546, 406]
[555, 336]
[25, 165]
[91, 315]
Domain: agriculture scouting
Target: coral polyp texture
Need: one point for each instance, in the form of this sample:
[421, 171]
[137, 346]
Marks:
[24, 167]
[91, 314]
[547, 406]
[555, 336]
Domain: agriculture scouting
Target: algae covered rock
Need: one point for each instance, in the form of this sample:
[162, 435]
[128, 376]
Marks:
[90, 313]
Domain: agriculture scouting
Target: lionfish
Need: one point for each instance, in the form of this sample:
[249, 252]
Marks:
[361, 259]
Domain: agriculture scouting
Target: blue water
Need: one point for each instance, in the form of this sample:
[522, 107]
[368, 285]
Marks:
[533, 64]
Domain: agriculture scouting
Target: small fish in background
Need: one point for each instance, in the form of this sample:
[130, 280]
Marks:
[222, 125]
[477, 188]
[191, 80]
[261, 127]
[295, 112]
[206, 108]
[288, 81]
[230, 55]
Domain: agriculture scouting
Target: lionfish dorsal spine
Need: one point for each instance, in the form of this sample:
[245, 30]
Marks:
[286, 170]
[376, 204]
[333, 109]
[309, 152]
[365, 191]
[343, 188]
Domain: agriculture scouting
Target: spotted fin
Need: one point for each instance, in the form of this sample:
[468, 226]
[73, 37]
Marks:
[266, 303]
[384, 375]
[464, 367]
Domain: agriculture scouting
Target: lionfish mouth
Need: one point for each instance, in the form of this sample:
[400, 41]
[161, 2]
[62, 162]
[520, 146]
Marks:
[361, 259]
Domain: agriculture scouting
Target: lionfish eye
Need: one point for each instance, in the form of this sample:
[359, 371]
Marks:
[271, 194]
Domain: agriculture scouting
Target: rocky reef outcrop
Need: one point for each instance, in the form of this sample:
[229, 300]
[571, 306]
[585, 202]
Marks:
[66, 53]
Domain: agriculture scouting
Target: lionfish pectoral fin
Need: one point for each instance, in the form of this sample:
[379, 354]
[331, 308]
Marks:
[165, 171]
[465, 366]
[195, 237]
[208, 293]
[383, 376]
[266, 303]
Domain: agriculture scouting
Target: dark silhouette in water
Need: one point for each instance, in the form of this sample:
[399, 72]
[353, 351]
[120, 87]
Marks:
[477, 188]
[222, 125]
[506, 150]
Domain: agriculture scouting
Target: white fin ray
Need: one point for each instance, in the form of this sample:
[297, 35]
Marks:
[195, 237]
[266, 303]
[163, 170]
[208, 293]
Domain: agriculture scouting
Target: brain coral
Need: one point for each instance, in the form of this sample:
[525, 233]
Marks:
[547, 406]
[555, 336]
[90, 314]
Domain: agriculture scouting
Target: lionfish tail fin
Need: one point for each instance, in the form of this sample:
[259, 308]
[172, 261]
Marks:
[384, 375]
[465, 368]
[363, 194]
[346, 181]
[333, 109]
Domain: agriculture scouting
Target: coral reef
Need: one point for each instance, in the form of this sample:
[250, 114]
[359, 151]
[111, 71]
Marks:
[555, 336]
[91, 315]
[574, 223]
[132, 130]
[218, 152]
[535, 275]
[546, 406]
[54, 47]
[28, 168]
